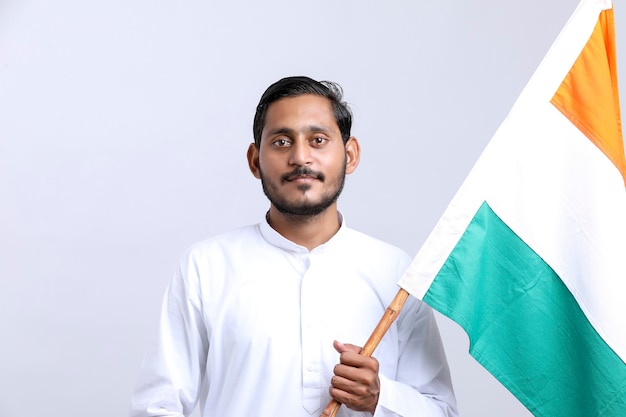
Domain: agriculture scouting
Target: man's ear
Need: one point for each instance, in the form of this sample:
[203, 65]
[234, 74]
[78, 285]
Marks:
[353, 154]
[253, 160]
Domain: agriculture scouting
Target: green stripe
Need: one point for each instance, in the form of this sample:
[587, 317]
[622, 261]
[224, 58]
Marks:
[525, 327]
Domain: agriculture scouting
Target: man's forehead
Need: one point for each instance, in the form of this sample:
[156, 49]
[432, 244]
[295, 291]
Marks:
[305, 104]
[316, 111]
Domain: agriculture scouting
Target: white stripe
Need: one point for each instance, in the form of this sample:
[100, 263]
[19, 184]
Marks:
[570, 209]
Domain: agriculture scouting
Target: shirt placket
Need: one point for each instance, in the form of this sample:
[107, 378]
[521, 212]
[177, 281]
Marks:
[311, 355]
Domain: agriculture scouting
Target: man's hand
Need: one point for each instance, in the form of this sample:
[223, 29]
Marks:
[356, 382]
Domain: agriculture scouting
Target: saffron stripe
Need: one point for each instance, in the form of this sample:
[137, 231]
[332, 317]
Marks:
[588, 95]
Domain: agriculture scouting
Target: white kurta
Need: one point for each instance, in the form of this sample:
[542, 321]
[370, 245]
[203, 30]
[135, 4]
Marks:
[248, 324]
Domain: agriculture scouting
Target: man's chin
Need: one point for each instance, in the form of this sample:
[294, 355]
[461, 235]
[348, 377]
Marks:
[302, 209]
[304, 187]
[301, 201]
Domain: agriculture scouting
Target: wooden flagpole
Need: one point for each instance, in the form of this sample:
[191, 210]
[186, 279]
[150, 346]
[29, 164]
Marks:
[383, 325]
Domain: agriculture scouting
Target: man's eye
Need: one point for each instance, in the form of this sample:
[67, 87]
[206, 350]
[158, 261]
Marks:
[319, 140]
[281, 142]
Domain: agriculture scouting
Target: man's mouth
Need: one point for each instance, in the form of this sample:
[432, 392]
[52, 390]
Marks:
[302, 174]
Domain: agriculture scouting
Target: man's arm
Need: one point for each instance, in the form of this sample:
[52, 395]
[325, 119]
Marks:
[172, 370]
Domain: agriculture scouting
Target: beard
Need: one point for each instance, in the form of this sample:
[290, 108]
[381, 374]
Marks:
[307, 208]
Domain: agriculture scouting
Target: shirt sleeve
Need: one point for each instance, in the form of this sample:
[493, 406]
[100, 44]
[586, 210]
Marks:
[422, 386]
[172, 371]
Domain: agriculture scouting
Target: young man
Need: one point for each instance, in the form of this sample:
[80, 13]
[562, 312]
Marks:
[254, 321]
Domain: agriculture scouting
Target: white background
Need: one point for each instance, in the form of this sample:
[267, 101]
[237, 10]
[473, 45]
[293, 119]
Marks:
[123, 132]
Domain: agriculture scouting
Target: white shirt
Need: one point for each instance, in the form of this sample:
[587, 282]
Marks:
[248, 324]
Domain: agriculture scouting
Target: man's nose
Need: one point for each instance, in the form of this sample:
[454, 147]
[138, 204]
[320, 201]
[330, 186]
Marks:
[300, 154]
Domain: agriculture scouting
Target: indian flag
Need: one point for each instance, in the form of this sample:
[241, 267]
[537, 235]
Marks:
[530, 255]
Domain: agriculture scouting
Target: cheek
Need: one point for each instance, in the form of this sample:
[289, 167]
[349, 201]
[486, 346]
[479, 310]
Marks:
[268, 165]
[335, 164]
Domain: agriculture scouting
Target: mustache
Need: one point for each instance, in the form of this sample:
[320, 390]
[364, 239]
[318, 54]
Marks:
[302, 172]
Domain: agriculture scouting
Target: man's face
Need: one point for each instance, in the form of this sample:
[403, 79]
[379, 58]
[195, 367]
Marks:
[301, 158]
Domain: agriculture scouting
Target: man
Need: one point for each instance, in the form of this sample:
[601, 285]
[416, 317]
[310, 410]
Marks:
[253, 321]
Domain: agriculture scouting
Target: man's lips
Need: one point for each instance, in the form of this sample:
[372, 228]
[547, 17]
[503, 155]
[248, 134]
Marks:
[301, 177]
[304, 174]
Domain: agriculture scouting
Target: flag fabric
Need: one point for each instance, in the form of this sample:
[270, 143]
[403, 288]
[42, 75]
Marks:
[530, 255]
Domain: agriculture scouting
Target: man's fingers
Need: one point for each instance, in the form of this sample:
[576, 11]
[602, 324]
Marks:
[352, 359]
[352, 380]
[356, 382]
[353, 394]
[351, 375]
[343, 384]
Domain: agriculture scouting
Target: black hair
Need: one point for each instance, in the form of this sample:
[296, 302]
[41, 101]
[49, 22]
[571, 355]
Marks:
[296, 86]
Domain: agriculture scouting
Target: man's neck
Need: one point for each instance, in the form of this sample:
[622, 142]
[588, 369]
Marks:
[307, 231]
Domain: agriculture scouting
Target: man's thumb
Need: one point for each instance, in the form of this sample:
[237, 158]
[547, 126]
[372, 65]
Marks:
[346, 347]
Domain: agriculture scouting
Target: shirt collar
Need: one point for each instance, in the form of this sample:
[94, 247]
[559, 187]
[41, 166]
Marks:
[276, 239]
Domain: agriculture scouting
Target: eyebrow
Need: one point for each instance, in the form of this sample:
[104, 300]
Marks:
[308, 129]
